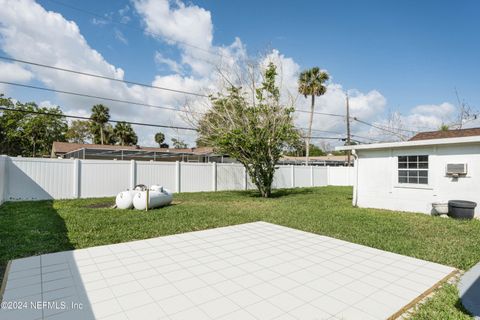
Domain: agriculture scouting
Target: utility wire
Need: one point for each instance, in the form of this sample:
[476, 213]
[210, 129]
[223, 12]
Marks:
[119, 80]
[102, 77]
[381, 128]
[87, 118]
[136, 103]
[133, 123]
[342, 133]
[92, 96]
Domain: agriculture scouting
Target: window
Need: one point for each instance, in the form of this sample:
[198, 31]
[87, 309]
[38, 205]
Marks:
[413, 169]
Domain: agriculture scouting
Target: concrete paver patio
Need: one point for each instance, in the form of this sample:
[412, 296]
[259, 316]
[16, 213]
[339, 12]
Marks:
[250, 271]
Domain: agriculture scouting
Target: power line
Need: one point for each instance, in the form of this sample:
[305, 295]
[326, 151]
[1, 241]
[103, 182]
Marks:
[102, 77]
[137, 83]
[383, 128]
[135, 28]
[380, 128]
[327, 138]
[342, 133]
[139, 103]
[322, 113]
[87, 118]
[129, 82]
[134, 123]
[92, 96]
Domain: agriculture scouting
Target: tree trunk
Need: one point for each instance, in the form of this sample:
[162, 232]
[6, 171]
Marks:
[101, 135]
[307, 140]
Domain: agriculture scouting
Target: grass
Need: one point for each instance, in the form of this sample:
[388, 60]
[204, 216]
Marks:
[29, 228]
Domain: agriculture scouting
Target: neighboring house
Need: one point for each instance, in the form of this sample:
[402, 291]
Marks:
[411, 175]
[110, 152]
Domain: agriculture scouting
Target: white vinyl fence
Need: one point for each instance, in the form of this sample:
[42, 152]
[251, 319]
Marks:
[38, 179]
[3, 179]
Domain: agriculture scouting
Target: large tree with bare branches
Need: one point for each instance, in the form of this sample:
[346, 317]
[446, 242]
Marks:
[255, 131]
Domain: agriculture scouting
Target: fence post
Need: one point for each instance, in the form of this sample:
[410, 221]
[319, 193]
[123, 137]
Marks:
[214, 176]
[312, 182]
[292, 175]
[178, 177]
[76, 178]
[133, 174]
[245, 178]
[328, 175]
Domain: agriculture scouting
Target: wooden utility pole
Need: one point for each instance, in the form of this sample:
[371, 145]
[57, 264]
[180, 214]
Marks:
[348, 130]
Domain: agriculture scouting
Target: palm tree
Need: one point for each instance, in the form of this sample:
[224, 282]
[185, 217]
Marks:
[312, 83]
[100, 116]
[124, 133]
[159, 138]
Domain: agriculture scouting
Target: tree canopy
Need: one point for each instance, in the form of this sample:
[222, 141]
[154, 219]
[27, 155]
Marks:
[179, 143]
[29, 134]
[100, 116]
[79, 131]
[311, 82]
[124, 134]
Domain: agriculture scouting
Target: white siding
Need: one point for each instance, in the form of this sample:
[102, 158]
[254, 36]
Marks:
[101, 178]
[378, 186]
[39, 179]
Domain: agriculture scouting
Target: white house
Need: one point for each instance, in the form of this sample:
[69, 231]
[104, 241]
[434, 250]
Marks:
[411, 175]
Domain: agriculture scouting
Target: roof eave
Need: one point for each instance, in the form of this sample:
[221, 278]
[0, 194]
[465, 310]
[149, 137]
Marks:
[415, 143]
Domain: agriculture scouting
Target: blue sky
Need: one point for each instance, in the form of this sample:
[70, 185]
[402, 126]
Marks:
[413, 53]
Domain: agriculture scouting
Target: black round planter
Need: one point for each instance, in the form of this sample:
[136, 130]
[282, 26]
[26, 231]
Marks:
[461, 209]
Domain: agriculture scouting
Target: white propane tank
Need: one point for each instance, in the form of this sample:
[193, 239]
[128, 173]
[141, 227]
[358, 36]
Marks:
[124, 199]
[158, 197]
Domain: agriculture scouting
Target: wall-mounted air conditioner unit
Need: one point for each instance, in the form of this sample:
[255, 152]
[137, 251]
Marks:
[456, 169]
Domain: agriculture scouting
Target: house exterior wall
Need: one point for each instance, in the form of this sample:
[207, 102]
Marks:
[377, 185]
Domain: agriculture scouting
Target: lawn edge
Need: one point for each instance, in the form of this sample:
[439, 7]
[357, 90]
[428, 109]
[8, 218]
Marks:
[412, 303]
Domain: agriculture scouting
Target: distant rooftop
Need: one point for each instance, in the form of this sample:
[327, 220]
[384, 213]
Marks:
[428, 135]
[66, 147]
[117, 152]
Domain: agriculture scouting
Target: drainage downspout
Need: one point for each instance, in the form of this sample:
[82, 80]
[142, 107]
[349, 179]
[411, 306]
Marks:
[355, 184]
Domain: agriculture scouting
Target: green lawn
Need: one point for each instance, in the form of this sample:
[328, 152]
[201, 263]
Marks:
[29, 228]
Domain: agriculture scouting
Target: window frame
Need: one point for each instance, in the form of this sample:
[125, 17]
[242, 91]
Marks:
[413, 170]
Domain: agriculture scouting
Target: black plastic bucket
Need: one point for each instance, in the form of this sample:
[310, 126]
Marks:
[461, 209]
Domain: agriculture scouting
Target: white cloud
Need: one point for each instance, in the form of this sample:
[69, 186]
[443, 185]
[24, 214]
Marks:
[179, 24]
[188, 27]
[12, 72]
[170, 63]
[120, 37]
[60, 43]
[123, 13]
[99, 22]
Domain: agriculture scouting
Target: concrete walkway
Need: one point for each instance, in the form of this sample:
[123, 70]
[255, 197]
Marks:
[250, 271]
[469, 289]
